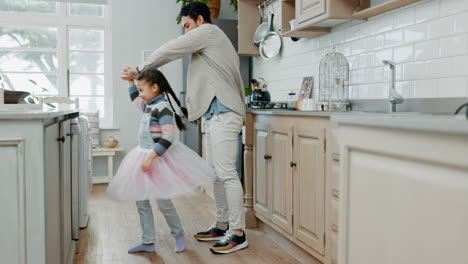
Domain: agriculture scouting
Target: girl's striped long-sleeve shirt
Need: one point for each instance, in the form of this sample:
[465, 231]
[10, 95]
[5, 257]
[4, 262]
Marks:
[161, 126]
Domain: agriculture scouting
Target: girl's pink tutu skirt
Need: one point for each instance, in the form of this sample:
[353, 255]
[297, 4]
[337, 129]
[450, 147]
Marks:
[180, 171]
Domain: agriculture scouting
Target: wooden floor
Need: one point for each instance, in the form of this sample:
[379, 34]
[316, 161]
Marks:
[114, 227]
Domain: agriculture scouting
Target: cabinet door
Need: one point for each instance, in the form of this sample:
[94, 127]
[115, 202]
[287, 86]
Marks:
[261, 181]
[65, 189]
[52, 191]
[309, 186]
[281, 175]
[308, 9]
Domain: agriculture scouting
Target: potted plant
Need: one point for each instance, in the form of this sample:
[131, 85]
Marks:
[214, 5]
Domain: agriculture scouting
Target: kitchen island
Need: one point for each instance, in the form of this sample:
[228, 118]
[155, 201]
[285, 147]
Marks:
[36, 154]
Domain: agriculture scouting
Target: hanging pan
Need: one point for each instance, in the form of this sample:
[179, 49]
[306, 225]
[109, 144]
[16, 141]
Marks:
[262, 30]
[271, 44]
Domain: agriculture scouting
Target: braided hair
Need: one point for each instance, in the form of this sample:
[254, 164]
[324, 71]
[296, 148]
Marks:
[154, 76]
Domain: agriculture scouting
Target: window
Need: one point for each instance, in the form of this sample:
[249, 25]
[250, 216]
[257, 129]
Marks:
[61, 47]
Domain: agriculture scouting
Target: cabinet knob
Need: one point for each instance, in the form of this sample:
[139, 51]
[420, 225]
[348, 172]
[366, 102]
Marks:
[267, 157]
[69, 134]
[62, 138]
[292, 164]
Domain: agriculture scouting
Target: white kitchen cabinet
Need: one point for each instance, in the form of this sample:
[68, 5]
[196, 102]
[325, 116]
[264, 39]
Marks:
[404, 190]
[308, 9]
[36, 213]
[289, 171]
[280, 173]
[262, 194]
[309, 180]
[65, 191]
[323, 13]
[52, 192]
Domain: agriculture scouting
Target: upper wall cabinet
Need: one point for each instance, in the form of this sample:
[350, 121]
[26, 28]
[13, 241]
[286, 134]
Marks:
[324, 13]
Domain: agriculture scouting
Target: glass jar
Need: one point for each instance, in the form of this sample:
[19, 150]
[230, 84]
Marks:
[292, 100]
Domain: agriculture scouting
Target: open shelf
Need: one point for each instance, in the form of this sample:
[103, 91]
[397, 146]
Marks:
[369, 11]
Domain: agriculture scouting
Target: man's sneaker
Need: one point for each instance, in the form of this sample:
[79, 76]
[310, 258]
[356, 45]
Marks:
[214, 233]
[230, 243]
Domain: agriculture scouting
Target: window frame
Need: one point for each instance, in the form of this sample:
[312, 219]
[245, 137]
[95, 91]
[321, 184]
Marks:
[63, 22]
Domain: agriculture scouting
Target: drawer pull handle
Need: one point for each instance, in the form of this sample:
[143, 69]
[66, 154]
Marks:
[292, 164]
[267, 157]
[62, 138]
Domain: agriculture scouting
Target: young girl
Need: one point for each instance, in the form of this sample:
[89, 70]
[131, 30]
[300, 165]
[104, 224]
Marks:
[158, 168]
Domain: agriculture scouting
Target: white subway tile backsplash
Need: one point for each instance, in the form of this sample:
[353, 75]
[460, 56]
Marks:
[351, 33]
[381, 91]
[337, 37]
[366, 92]
[415, 33]
[386, 54]
[428, 40]
[439, 68]
[427, 50]
[441, 27]
[393, 38]
[366, 60]
[375, 42]
[425, 88]
[427, 11]
[383, 23]
[448, 7]
[456, 45]
[460, 66]
[403, 54]
[366, 29]
[414, 70]
[358, 46]
[461, 22]
[406, 89]
[452, 87]
[403, 18]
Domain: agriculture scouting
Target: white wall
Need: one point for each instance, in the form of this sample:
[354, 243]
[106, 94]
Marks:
[428, 40]
[137, 25]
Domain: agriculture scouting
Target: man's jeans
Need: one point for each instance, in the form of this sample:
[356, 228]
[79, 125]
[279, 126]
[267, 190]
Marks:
[222, 138]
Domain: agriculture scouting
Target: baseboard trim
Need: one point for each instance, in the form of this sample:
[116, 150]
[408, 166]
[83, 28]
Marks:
[100, 179]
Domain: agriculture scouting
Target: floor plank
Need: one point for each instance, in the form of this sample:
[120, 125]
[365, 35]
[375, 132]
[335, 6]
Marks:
[114, 227]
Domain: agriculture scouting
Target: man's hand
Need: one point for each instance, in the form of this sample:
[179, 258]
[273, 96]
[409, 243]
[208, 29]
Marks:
[129, 73]
[147, 163]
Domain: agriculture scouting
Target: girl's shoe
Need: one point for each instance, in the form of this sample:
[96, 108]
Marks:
[143, 248]
[180, 243]
[212, 234]
[230, 243]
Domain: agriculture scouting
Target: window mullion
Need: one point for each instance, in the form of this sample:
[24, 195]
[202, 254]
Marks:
[62, 54]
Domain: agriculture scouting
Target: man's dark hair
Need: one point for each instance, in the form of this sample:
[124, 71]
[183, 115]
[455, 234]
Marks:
[195, 9]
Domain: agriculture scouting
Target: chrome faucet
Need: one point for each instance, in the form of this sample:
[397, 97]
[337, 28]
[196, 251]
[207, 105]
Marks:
[394, 97]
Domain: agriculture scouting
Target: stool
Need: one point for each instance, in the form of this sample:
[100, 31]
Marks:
[110, 153]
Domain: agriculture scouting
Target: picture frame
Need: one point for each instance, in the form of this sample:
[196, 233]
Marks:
[305, 92]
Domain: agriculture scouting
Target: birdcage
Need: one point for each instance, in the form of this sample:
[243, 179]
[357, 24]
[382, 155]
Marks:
[334, 82]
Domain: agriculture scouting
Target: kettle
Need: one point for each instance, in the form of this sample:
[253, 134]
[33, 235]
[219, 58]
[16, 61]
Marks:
[260, 95]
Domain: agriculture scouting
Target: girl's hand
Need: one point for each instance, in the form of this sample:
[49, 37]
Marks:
[147, 163]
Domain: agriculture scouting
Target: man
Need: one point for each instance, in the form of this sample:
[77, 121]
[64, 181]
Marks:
[215, 92]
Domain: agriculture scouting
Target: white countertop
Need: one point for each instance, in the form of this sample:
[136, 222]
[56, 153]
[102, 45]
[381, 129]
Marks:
[410, 121]
[34, 114]
[402, 120]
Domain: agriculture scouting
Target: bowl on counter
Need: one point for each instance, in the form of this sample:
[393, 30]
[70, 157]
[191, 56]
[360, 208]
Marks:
[14, 97]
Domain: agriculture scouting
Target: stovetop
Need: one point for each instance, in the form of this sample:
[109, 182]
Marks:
[268, 105]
